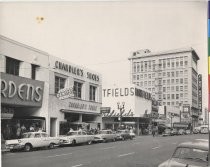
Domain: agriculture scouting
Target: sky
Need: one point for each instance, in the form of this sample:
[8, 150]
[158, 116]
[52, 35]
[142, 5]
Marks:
[102, 35]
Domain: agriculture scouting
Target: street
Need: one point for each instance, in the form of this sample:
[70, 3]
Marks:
[144, 151]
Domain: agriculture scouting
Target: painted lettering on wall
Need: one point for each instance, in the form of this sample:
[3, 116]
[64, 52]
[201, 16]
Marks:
[114, 113]
[119, 92]
[82, 106]
[76, 71]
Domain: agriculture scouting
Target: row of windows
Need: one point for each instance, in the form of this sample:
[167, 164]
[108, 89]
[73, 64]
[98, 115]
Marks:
[173, 103]
[13, 67]
[163, 63]
[168, 82]
[173, 96]
[60, 84]
[174, 88]
[180, 73]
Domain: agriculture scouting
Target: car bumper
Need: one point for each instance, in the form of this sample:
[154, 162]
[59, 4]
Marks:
[15, 147]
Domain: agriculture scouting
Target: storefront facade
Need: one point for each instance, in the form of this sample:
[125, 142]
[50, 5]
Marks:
[128, 106]
[75, 97]
[24, 88]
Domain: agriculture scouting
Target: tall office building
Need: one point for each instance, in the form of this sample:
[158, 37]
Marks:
[171, 76]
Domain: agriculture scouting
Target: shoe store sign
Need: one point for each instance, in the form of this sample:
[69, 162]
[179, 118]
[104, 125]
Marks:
[20, 91]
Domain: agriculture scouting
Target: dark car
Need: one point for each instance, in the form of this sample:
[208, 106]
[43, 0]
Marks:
[193, 154]
[174, 132]
[123, 135]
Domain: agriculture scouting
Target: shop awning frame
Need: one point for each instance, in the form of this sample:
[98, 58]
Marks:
[79, 112]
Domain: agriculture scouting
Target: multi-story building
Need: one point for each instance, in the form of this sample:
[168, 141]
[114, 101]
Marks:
[171, 76]
[42, 91]
[24, 87]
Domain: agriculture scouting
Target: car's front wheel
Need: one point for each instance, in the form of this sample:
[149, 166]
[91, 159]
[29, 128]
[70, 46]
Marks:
[51, 146]
[89, 142]
[28, 147]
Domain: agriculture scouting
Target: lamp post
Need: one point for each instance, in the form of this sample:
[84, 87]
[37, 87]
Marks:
[121, 108]
[171, 116]
[180, 112]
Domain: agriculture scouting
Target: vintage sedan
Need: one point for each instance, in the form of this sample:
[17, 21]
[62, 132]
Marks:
[105, 135]
[189, 154]
[32, 140]
[123, 135]
[167, 132]
[76, 137]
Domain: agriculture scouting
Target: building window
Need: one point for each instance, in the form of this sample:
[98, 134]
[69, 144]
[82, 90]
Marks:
[181, 63]
[185, 87]
[181, 88]
[145, 75]
[172, 96]
[134, 67]
[12, 66]
[172, 64]
[181, 73]
[168, 103]
[153, 75]
[149, 83]
[177, 73]
[145, 83]
[164, 96]
[172, 74]
[164, 74]
[149, 76]
[185, 63]
[177, 88]
[172, 81]
[134, 77]
[172, 88]
[177, 81]
[77, 89]
[59, 83]
[168, 74]
[138, 67]
[137, 77]
[164, 82]
[141, 76]
[177, 96]
[153, 83]
[168, 96]
[185, 81]
[92, 93]
[168, 81]
[164, 89]
[33, 71]
[168, 88]
[181, 80]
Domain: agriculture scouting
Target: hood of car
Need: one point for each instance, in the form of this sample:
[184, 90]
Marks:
[174, 162]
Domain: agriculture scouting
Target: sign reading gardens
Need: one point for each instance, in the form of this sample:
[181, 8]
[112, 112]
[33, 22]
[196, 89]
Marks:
[20, 91]
[76, 71]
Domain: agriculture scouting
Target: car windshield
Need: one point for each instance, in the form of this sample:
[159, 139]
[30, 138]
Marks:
[27, 135]
[191, 153]
[103, 132]
[71, 133]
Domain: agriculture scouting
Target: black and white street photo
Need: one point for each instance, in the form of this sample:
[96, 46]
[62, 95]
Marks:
[104, 83]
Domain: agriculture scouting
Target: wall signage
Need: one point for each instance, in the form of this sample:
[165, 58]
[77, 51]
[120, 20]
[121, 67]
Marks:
[113, 113]
[119, 92]
[65, 93]
[76, 71]
[83, 106]
[21, 91]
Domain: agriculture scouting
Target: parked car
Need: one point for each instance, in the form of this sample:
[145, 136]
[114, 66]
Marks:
[76, 137]
[189, 154]
[188, 131]
[167, 132]
[204, 130]
[123, 135]
[32, 140]
[174, 132]
[132, 134]
[181, 132]
[105, 135]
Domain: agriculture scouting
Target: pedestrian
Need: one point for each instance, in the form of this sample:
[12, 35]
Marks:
[23, 129]
[31, 128]
[18, 132]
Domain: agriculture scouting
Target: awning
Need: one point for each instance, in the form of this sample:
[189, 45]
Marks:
[79, 112]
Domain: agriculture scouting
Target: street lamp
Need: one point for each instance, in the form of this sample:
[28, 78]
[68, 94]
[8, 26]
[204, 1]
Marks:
[121, 108]
[171, 116]
[180, 111]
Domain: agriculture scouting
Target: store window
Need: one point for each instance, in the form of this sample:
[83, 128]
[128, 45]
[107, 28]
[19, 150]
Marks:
[92, 93]
[59, 83]
[77, 89]
[33, 71]
[12, 66]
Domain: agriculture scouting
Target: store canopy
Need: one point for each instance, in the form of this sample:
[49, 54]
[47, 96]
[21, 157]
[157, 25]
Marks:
[79, 112]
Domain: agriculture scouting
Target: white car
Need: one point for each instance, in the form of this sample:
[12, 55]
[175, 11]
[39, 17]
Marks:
[32, 140]
[76, 137]
[105, 135]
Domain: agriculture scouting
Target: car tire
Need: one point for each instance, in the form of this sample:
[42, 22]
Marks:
[74, 142]
[51, 146]
[113, 140]
[27, 147]
[89, 142]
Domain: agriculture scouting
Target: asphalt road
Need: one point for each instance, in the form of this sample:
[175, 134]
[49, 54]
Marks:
[144, 151]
